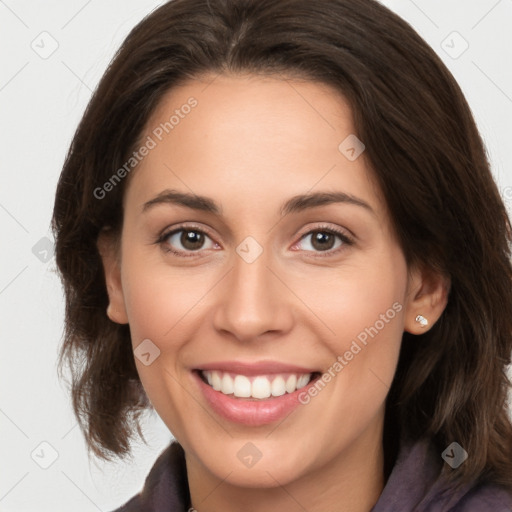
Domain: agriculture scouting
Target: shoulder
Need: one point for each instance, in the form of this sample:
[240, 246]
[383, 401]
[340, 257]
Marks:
[417, 483]
[485, 498]
[165, 487]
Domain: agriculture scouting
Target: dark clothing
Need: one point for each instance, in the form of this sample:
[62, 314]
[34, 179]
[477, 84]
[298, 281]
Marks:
[413, 485]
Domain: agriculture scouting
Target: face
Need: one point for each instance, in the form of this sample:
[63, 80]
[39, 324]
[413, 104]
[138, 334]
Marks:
[285, 279]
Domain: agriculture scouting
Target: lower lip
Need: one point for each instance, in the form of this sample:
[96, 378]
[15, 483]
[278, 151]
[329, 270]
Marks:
[252, 413]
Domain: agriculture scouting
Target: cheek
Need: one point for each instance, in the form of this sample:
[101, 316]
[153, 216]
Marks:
[160, 303]
[368, 329]
[349, 300]
[164, 305]
[362, 307]
[159, 298]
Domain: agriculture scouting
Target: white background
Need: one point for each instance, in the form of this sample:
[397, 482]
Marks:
[41, 102]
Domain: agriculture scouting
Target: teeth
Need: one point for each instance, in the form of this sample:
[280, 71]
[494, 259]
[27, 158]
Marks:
[259, 387]
[216, 381]
[227, 384]
[291, 384]
[278, 386]
[241, 387]
[302, 381]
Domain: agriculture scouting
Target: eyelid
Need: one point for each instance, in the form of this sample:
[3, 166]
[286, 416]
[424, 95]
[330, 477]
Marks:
[185, 226]
[344, 234]
[167, 232]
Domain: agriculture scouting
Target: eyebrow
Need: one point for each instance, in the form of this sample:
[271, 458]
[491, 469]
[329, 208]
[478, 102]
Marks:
[296, 203]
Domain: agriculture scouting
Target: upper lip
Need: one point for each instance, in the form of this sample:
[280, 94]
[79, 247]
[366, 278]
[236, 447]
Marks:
[255, 368]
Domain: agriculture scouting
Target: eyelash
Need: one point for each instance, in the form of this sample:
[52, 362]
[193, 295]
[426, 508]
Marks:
[347, 241]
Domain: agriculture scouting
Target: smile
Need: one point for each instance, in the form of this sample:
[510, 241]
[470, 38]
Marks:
[255, 386]
[253, 394]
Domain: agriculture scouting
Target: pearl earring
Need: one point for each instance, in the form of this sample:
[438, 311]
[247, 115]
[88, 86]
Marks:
[422, 320]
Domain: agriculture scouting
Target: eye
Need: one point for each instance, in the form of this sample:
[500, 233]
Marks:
[324, 239]
[186, 240]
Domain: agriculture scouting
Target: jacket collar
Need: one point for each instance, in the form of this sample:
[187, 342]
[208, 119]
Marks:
[416, 483]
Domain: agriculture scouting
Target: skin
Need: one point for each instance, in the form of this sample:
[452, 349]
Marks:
[250, 144]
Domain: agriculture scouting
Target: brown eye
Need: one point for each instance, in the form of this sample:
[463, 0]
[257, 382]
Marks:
[191, 240]
[324, 240]
[186, 240]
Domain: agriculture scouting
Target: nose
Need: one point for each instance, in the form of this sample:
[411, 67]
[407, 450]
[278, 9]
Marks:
[255, 300]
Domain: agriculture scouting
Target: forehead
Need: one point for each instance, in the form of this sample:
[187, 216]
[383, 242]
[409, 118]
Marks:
[248, 139]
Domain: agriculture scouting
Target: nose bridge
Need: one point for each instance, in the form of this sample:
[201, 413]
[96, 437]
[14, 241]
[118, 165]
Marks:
[253, 302]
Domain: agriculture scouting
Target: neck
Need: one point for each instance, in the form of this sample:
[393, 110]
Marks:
[351, 481]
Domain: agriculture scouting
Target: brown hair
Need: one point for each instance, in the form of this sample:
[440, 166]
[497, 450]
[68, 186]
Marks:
[426, 154]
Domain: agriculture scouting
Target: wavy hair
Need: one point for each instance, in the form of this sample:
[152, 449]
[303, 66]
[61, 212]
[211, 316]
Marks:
[425, 153]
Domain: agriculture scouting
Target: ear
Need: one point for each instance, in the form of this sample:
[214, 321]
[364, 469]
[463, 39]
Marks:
[110, 255]
[427, 296]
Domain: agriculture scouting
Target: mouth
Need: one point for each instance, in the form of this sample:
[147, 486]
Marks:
[256, 387]
[253, 394]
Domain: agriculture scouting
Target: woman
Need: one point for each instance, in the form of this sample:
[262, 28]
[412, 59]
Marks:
[276, 226]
